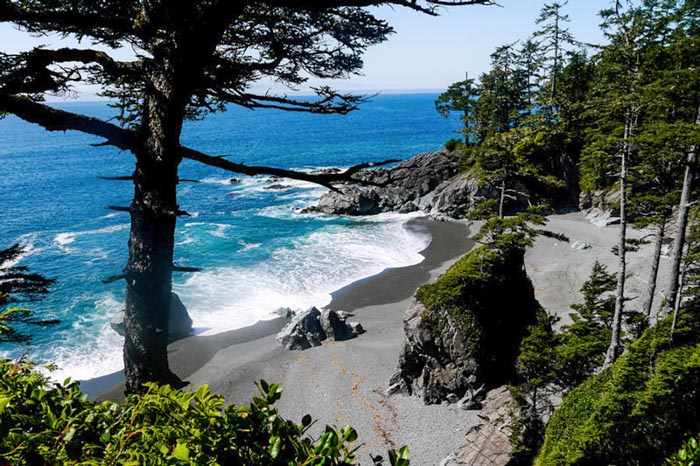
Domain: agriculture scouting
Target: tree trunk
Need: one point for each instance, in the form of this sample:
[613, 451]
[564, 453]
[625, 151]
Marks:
[615, 348]
[149, 269]
[682, 223]
[502, 199]
[654, 272]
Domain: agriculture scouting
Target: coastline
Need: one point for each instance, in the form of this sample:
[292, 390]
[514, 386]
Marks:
[449, 240]
[342, 383]
[337, 383]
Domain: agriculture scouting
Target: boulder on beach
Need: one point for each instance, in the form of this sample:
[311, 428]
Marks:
[180, 325]
[309, 328]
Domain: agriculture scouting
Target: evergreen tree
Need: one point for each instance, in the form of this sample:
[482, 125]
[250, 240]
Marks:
[191, 58]
[501, 104]
[460, 97]
[555, 37]
[615, 110]
[18, 284]
[681, 92]
[584, 341]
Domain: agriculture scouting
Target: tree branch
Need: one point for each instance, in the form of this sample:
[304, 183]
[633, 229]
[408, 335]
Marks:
[54, 119]
[324, 179]
[329, 102]
[428, 7]
[70, 18]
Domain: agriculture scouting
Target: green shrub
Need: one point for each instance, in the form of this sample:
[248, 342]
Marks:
[688, 454]
[44, 423]
[637, 411]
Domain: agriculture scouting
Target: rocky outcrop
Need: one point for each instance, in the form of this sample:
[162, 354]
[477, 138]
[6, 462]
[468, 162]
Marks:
[402, 186]
[429, 182]
[601, 207]
[311, 327]
[180, 325]
[490, 442]
[464, 331]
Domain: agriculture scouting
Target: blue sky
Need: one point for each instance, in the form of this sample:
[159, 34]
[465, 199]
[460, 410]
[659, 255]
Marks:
[426, 53]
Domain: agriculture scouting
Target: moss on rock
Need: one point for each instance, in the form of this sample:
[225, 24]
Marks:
[465, 329]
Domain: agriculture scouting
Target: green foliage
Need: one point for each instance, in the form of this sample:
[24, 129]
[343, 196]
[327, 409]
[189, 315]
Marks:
[454, 144]
[638, 410]
[537, 359]
[688, 454]
[49, 423]
[17, 283]
[583, 343]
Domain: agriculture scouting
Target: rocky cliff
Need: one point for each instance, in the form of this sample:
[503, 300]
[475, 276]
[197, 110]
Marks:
[429, 182]
[463, 332]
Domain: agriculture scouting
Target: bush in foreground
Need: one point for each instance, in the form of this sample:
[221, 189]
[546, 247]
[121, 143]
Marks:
[44, 423]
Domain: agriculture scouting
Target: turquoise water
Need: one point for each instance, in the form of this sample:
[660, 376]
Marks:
[256, 251]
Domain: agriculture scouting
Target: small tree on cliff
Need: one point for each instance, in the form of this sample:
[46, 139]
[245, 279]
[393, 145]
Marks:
[191, 58]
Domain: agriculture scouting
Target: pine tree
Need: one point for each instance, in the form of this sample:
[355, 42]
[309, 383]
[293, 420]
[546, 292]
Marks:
[583, 342]
[460, 97]
[555, 38]
[191, 58]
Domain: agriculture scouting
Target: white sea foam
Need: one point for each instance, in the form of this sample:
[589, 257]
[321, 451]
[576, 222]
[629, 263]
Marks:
[94, 348]
[62, 240]
[300, 276]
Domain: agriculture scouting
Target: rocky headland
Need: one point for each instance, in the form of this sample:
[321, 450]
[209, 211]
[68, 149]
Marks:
[430, 182]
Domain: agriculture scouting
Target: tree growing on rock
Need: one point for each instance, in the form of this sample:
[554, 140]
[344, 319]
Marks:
[191, 58]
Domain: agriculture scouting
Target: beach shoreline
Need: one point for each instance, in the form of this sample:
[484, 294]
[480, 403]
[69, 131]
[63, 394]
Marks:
[448, 240]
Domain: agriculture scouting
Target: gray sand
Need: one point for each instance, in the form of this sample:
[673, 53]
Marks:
[558, 272]
[343, 383]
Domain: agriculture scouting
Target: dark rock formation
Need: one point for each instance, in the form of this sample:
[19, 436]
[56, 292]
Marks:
[180, 325]
[311, 327]
[490, 442]
[277, 187]
[406, 184]
[429, 182]
[464, 330]
[602, 207]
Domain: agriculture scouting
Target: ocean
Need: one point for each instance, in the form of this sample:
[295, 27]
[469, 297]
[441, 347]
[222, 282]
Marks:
[256, 251]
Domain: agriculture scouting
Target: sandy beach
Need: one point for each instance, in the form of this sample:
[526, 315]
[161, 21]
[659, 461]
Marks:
[343, 382]
[339, 382]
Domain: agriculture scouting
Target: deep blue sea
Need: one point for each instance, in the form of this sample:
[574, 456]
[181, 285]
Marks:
[256, 251]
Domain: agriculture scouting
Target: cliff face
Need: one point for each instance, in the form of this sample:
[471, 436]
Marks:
[429, 182]
[464, 331]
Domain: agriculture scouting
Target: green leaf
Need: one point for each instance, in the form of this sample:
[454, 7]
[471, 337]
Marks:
[4, 401]
[275, 446]
[181, 452]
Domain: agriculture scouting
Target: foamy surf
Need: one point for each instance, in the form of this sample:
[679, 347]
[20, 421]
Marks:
[301, 275]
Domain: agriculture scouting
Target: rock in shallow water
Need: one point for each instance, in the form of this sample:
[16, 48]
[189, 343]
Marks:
[180, 320]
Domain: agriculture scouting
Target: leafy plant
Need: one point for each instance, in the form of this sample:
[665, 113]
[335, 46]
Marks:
[49, 423]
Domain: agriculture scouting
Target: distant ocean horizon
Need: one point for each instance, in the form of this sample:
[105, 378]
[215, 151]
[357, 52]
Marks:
[257, 252]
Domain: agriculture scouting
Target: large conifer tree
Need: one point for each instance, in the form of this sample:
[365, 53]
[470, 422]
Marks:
[192, 57]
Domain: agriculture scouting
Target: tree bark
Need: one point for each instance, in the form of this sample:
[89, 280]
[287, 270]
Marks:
[654, 271]
[615, 348]
[151, 243]
[681, 225]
